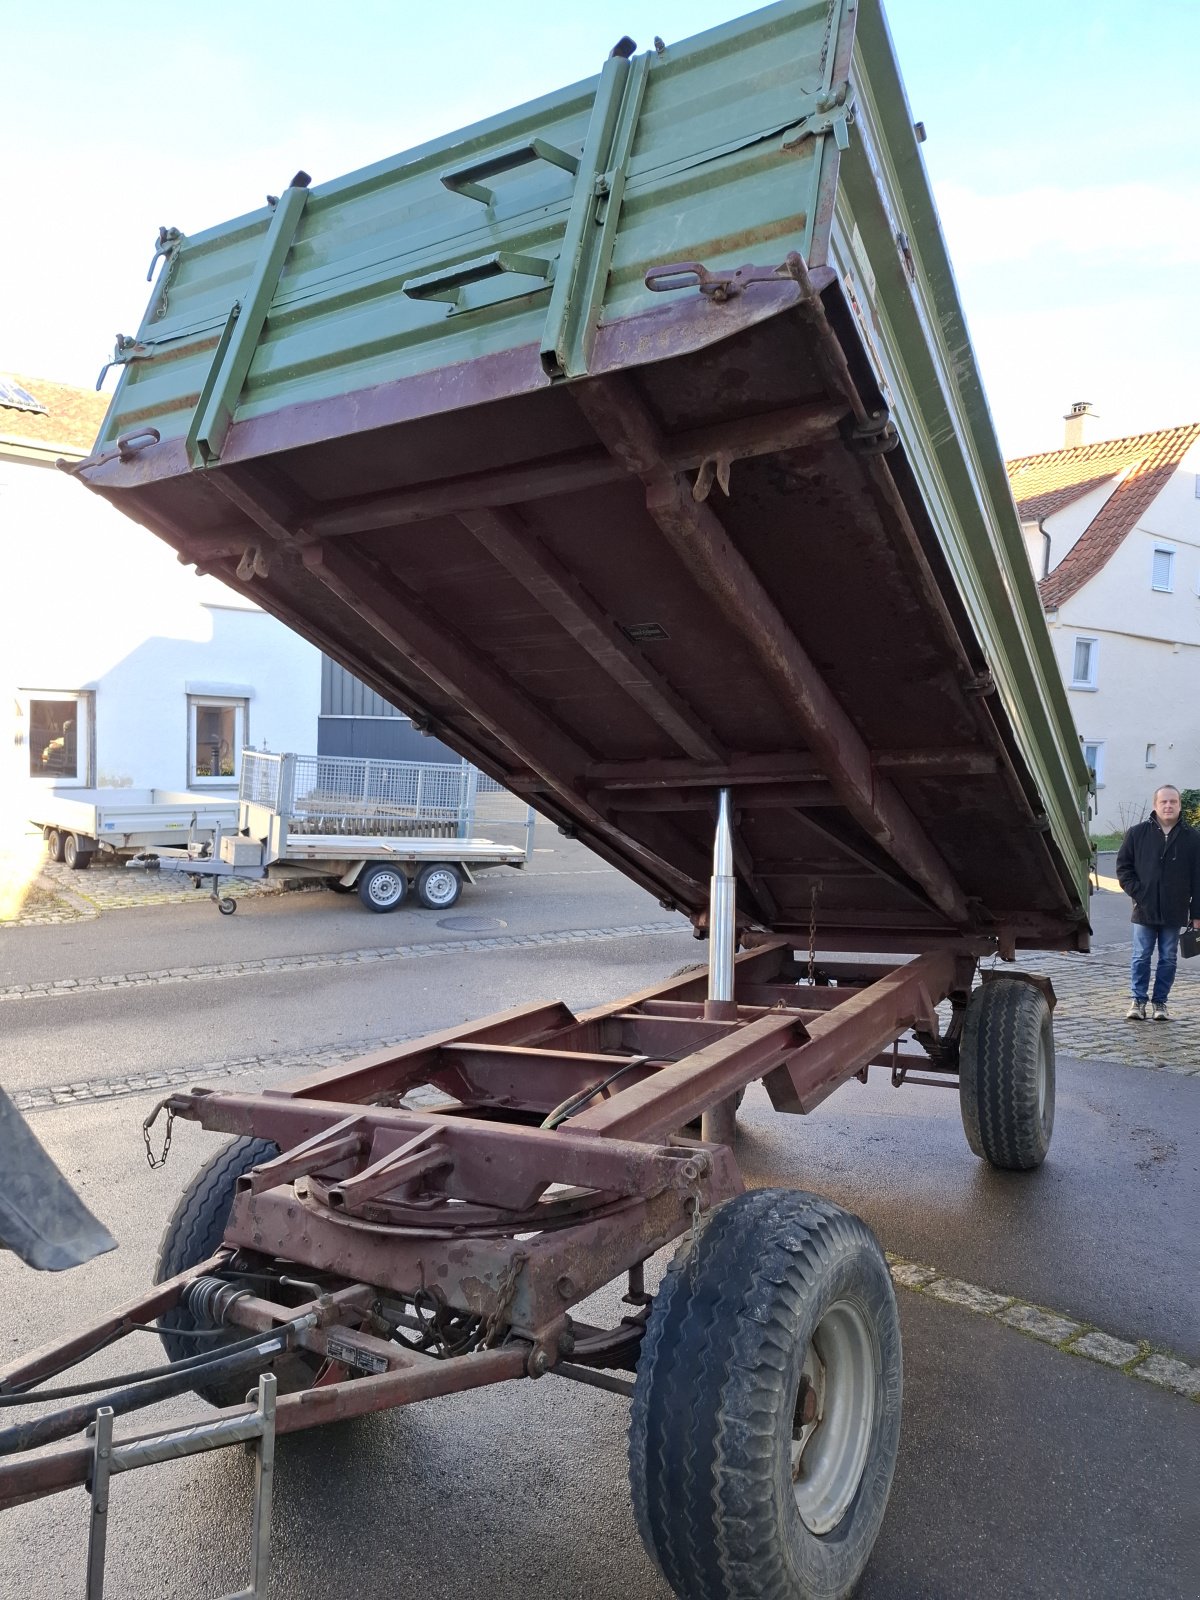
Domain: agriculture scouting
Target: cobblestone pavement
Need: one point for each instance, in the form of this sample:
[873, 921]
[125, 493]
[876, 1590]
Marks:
[1093, 990]
[107, 885]
[59, 987]
[1093, 996]
[110, 885]
[112, 1088]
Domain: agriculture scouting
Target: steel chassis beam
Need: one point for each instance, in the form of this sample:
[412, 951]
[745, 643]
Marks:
[624, 423]
[553, 1166]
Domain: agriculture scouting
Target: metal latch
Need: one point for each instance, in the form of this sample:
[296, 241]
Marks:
[832, 115]
[719, 286]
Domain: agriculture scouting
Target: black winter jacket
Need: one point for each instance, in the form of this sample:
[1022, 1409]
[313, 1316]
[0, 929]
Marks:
[1161, 874]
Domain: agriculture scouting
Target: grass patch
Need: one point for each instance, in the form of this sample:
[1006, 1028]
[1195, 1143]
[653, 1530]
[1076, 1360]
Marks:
[38, 902]
[1107, 841]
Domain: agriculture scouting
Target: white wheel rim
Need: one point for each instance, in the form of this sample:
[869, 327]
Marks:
[1042, 1085]
[385, 888]
[829, 1452]
[441, 886]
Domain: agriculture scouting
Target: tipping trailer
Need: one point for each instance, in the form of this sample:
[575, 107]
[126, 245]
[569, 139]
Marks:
[633, 442]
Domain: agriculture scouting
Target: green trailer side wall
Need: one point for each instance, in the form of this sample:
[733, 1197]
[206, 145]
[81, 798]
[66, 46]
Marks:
[742, 145]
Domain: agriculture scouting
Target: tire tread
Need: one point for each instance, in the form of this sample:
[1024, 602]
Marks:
[714, 1372]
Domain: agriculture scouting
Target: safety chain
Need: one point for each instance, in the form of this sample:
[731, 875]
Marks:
[505, 1296]
[148, 1124]
[692, 1204]
[812, 935]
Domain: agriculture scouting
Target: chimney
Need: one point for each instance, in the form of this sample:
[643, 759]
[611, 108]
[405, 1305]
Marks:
[1080, 425]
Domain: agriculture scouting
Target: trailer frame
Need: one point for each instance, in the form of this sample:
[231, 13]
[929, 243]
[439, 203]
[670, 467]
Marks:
[371, 1196]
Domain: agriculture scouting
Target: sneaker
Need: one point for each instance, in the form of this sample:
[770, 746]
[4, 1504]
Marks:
[1136, 1012]
[1161, 1014]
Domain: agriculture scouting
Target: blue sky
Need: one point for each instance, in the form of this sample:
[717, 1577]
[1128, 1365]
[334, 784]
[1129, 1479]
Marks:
[1062, 147]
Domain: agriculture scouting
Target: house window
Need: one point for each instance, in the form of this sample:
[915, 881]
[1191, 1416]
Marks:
[216, 736]
[54, 727]
[1093, 755]
[1151, 755]
[1163, 572]
[1083, 671]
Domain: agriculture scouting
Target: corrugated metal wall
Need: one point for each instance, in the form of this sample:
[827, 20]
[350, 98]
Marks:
[343, 695]
[355, 721]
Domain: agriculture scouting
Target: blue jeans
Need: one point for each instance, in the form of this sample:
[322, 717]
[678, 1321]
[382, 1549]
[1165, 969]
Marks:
[1144, 941]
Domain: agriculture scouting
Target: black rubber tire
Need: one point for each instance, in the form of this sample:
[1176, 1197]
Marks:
[54, 844]
[76, 855]
[423, 880]
[193, 1232]
[374, 870]
[1006, 1074]
[226, 905]
[715, 1395]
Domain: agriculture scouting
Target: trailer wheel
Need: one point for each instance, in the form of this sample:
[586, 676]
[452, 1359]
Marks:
[382, 887]
[76, 854]
[193, 1232]
[766, 1409]
[54, 844]
[1006, 1074]
[439, 886]
[226, 905]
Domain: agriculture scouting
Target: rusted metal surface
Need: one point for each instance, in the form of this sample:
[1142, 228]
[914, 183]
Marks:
[55, 1357]
[506, 1225]
[67, 1465]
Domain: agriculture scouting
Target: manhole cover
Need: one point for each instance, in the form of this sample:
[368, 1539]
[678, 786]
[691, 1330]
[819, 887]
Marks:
[471, 924]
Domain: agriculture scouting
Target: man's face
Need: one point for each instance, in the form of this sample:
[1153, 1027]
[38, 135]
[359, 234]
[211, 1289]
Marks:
[1166, 803]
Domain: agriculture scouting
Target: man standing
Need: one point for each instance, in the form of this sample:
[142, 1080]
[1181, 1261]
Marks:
[1158, 866]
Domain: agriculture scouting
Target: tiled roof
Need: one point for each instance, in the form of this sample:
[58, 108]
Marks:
[1046, 483]
[71, 421]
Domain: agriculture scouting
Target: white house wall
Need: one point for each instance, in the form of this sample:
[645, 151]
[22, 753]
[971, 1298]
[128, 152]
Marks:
[93, 602]
[1148, 663]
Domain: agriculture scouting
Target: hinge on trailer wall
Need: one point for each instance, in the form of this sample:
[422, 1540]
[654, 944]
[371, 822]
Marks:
[874, 436]
[833, 114]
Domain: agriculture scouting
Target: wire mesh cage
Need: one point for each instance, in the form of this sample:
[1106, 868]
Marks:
[352, 795]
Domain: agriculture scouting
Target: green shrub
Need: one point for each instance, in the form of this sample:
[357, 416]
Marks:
[1190, 801]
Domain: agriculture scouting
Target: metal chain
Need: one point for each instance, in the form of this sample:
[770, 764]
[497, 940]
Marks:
[692, 1203]
[148, 1124]
[812, 935]
[505, 1296]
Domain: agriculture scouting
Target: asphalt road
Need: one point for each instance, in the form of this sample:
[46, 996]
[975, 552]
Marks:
[1024, 1470]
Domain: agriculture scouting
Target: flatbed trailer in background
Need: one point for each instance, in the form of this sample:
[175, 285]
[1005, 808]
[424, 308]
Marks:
[378, 827]
[79, 823]
[667, 542]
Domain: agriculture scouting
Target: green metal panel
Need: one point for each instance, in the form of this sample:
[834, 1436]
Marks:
[692, 173]
[527, 239]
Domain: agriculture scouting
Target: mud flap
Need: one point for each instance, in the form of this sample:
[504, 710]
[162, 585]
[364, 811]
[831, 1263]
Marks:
[42, 1219]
